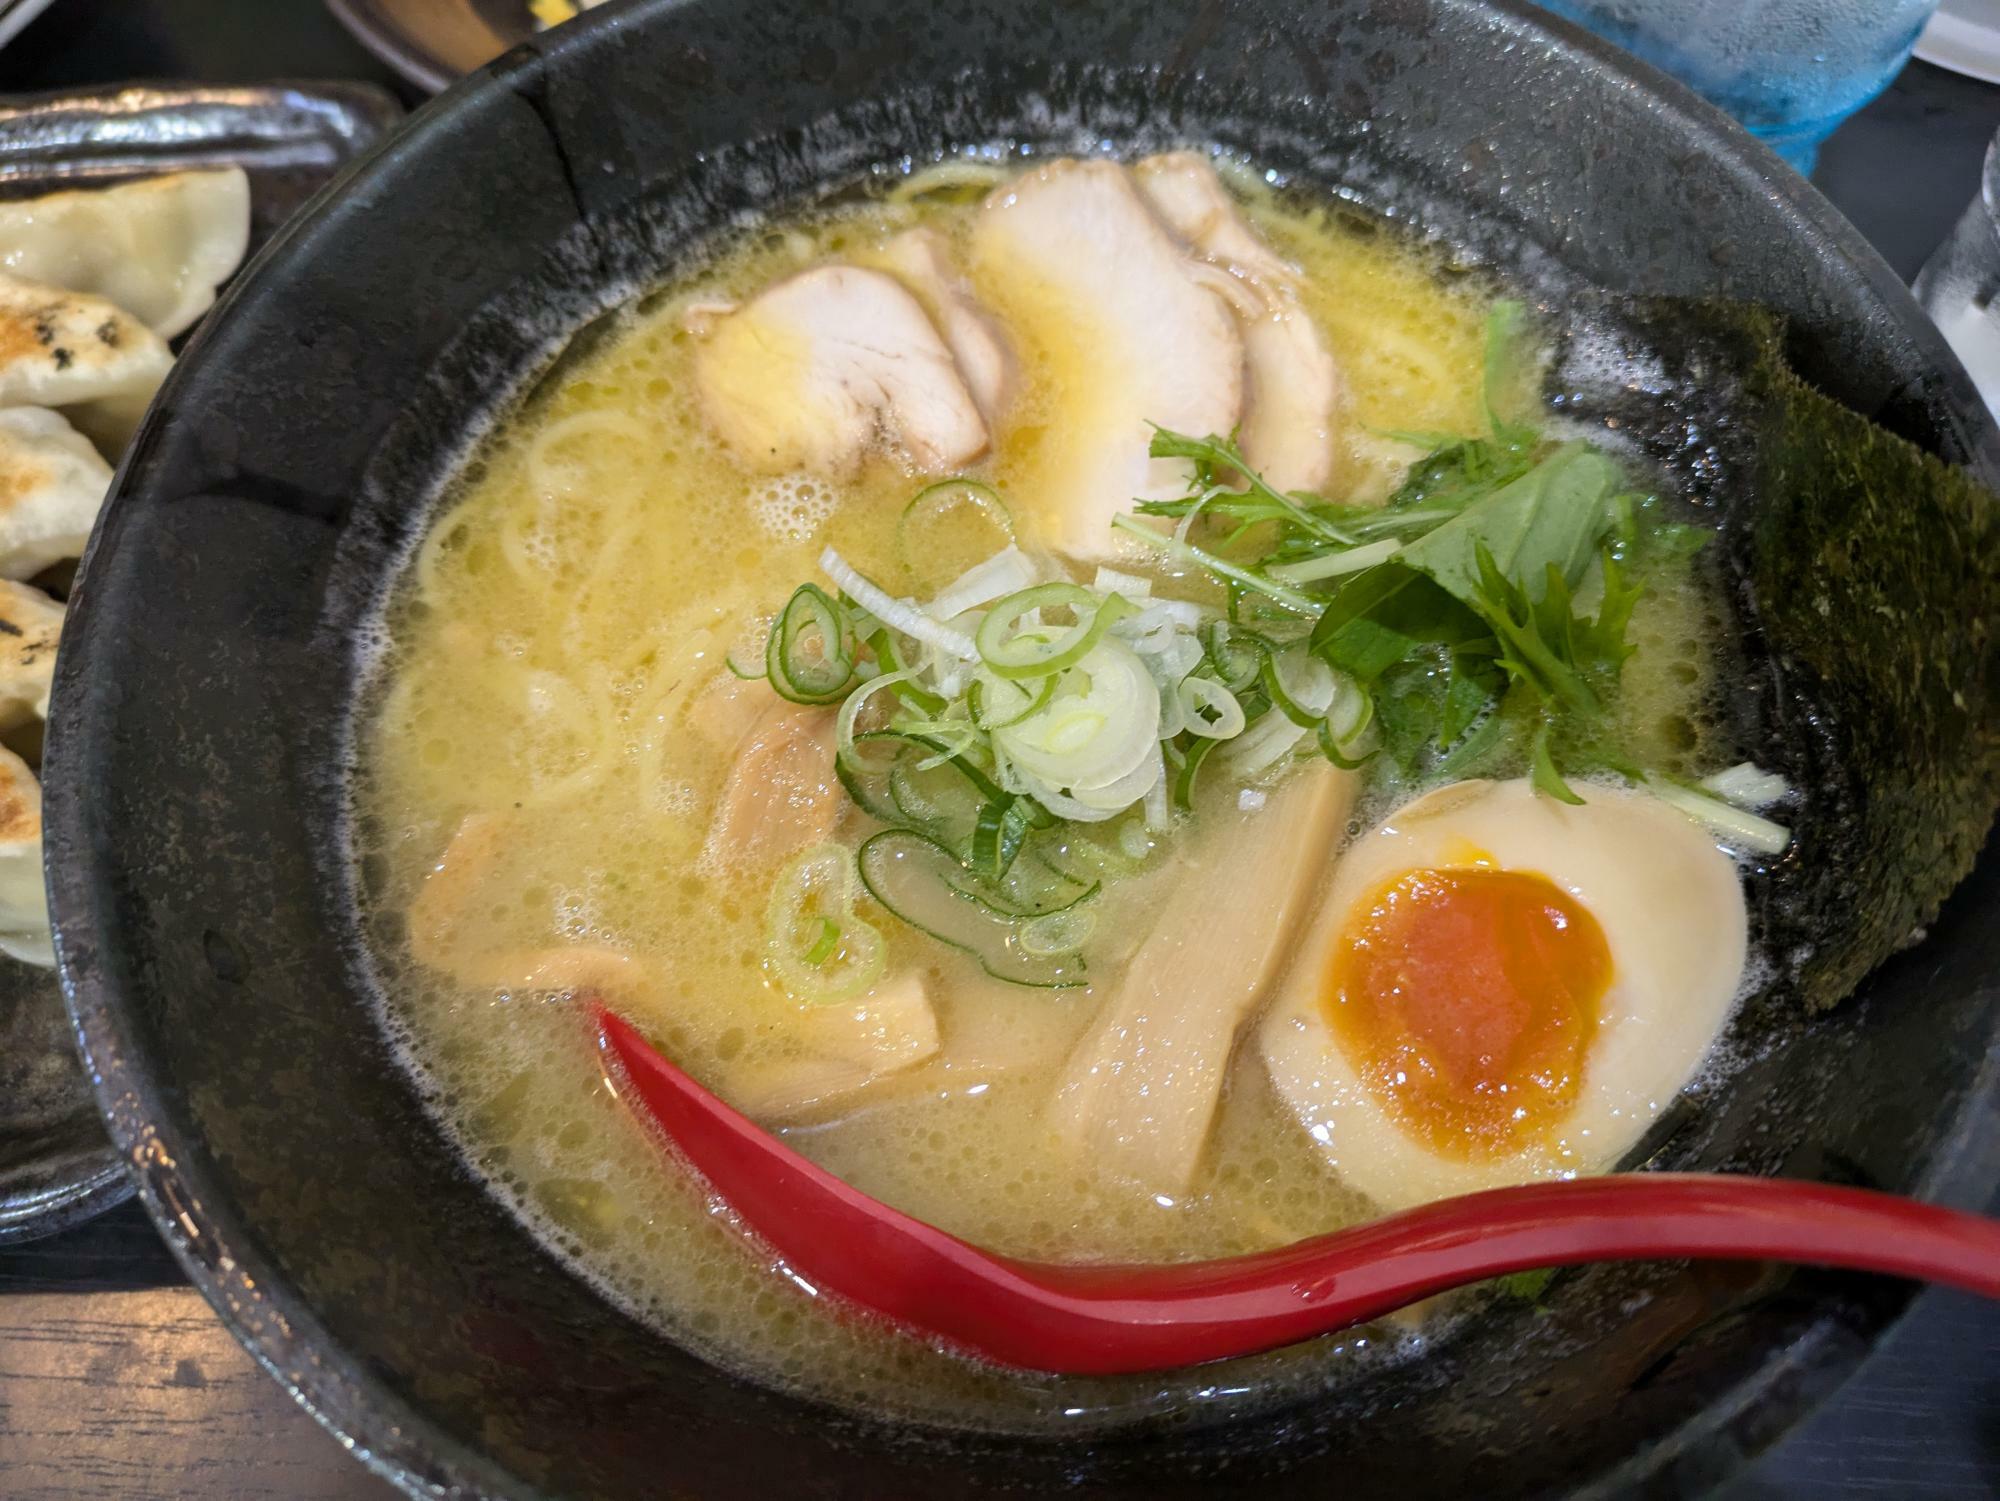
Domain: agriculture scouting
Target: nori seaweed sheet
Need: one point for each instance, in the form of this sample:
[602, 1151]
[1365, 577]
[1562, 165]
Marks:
[1865, 576]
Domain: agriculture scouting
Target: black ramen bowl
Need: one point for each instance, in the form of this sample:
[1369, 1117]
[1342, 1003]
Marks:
[196, 766]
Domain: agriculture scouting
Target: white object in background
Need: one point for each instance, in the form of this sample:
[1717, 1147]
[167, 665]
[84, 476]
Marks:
[1974, 336]
[14, 14]
[1960, 284]
[1964, 36]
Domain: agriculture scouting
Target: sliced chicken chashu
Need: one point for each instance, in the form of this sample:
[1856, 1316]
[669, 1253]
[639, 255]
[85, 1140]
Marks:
[1185, 190]
[781, 795]
[820, 368]
[1293, 386]
[841, 1049]
[1100, 295]
[919, 259]
[1140, 1092]
[439, 937]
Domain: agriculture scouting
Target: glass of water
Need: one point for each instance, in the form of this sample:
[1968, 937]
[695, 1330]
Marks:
[1791, 70]
[1960, 284]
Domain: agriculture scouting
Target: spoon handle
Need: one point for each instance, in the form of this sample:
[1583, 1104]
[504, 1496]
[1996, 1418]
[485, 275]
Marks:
[1103, 1319]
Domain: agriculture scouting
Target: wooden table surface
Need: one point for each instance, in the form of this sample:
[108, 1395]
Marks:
[117, 1381]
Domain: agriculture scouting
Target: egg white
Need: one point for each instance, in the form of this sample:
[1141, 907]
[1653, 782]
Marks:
[1672, 912]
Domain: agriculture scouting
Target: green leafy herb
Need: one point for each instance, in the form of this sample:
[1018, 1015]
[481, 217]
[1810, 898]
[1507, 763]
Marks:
[1553, 516]
[1454, 606]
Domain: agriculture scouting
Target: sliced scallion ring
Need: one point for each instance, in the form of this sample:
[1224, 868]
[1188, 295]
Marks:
[814, 944]
[1304, 701]
[1034, 653]
[1010, 693]
[1189, 771]
[918, 538]
[988, 788]
[918, 880]
[809, 655]
[1063, 932]
[845, 737]
[997, 837]
[1233, 653]
[1330, 748]
[890, 661]
[1212, 710]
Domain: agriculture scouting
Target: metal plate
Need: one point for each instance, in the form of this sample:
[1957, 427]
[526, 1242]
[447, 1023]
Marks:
[56, 1166]
[432, 43]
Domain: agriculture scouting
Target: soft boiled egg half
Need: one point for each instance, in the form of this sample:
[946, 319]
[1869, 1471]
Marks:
[1502, 987]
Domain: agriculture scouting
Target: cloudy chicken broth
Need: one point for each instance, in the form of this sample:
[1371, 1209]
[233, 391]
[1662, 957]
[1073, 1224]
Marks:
[1001, 869]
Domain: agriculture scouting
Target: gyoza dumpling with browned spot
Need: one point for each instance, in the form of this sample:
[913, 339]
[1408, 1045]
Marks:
[24, 903]
[52, 485]
[92, 361]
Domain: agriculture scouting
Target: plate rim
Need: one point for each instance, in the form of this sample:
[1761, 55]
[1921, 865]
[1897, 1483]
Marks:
[377, 29]
[98, 1179]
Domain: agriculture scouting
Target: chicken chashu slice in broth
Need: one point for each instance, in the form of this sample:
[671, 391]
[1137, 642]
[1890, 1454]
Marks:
[1141, 295]
[1293, 389]
[1098, 291]
[985, 360]
[816, 371]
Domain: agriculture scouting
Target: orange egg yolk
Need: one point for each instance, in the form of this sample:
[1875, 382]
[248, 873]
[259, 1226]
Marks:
[1466, 1000]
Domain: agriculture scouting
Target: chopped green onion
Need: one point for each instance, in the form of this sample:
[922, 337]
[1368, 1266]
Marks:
[886, 656]
[814, 944]
[1190, 769]
[1330, 747]
[988, 788]
[867, 792]
[896, 613]
[1131, 585]
[1747, 785]
[809, 655]
[829, 940]
[1031, 703]
[1032, 653]
[1306, 707]
[1212, 710]
[918, 880]
[1000, 575]
[1234, 654]
[1064, 932]
[1743, 829]
[936, 500]
[997, 837]
[845, 748]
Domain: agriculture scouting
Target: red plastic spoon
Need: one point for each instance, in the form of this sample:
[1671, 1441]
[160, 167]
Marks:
[1099, 1320]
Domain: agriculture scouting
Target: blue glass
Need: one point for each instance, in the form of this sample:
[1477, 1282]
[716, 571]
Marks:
[1791, 70]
